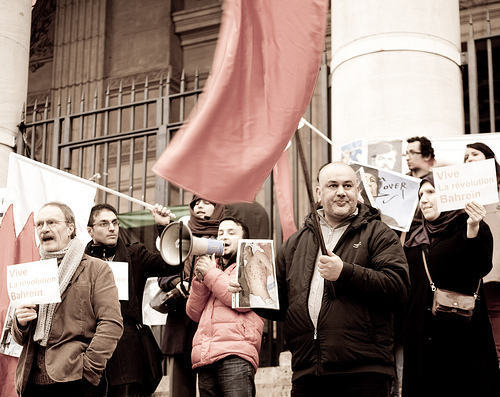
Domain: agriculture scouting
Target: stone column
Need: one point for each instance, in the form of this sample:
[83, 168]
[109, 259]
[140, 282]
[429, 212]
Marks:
[15, 28]
[395, 69]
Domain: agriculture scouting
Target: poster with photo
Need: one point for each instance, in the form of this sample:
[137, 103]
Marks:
[386, 154]
[8, 345]
[256, 274]
[395, 194]
[353, 151]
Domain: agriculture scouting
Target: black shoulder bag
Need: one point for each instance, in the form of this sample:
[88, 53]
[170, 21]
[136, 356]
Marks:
[451, 305]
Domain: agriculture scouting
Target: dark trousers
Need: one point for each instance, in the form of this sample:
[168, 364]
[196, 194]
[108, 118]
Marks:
[492, 296]
[126, 390]
[77, 388]
[182, 378]
[346, 385]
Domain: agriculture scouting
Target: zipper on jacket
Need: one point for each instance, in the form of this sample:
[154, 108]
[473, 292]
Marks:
[319, 370]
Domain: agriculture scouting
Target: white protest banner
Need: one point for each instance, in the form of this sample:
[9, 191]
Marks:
[457, 185]
[33, 282]
[120, 271]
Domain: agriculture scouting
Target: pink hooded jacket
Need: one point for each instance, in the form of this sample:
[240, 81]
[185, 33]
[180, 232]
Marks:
[222, 331]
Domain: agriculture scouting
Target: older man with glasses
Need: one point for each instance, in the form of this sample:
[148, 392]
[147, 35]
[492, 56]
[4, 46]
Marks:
[125, 368]
[66, 345]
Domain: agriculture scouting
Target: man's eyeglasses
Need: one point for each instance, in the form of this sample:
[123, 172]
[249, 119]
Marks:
[411, 153]
[104, 224]
[51, 223]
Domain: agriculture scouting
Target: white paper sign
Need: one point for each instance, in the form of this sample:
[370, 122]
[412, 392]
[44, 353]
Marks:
[149, 315]
[458, 185]
[120, 271]
[394, 194]
[33, 282]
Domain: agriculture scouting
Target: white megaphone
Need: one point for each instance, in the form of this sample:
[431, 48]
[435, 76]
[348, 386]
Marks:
[177, 243]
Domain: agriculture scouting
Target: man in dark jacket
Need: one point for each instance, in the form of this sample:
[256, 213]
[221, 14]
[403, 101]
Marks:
[338, 308]
[125, 368]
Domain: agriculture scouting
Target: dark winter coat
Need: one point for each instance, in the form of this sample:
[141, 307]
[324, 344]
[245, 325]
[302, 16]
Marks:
[125, 366]
[355, 324]
[443, 357]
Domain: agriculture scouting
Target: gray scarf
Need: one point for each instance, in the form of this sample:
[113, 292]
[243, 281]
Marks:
[71, 257]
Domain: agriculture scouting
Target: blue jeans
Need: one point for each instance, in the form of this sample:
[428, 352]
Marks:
[230, 377]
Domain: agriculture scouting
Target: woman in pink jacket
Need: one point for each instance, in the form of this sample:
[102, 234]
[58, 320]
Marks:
[227, 343]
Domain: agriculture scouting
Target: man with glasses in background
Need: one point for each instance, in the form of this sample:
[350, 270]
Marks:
[125, 368]
[419, 156]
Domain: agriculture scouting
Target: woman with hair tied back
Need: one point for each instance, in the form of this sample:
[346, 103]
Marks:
[446, 356]
[476, 152]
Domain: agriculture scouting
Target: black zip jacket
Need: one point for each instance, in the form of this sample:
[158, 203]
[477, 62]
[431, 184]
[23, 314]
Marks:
[355, 325]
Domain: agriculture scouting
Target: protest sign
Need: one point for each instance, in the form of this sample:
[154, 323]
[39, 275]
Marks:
[120, 272]
[256, 274]
[8, 345]
[394, 194]
[33, 282]
[458, 185]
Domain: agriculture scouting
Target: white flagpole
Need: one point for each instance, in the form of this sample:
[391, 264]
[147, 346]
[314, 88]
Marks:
[312, 127]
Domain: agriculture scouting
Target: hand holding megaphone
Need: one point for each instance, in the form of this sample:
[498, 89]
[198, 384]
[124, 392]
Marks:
[203, 265]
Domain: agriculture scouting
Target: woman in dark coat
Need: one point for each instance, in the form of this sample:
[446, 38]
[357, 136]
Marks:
[204, 219]
[448, 357]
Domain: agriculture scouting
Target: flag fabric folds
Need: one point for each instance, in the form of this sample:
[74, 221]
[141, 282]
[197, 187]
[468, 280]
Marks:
[263, 76]
[20, 249]
[31, 184]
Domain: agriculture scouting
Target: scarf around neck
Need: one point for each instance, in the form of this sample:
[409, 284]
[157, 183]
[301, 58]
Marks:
[71, 257]
[205, 227]
[425, 232]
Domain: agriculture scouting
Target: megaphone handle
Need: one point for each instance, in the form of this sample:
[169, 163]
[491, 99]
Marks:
[191, 273]
[180, 242]
[180, 261]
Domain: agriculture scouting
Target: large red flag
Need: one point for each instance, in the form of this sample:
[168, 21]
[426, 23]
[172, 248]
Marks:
[263, 76]
[14, 250]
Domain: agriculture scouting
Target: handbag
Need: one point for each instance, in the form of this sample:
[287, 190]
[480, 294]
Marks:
[152, 357]
[168, 301]
[451, 305]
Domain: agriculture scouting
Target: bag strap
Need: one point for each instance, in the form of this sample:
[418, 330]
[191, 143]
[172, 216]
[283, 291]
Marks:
[433, 286]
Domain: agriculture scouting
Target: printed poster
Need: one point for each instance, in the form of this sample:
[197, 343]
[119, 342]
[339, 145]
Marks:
[256, 274]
